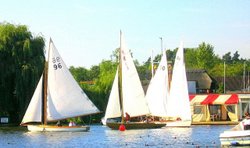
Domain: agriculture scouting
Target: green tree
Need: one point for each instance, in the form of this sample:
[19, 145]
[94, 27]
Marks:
[227, 58]
[190, 58]
[80, 73]
[21, 63]
[205, 56]
[236, 56]
[94, 72]
[171, 54]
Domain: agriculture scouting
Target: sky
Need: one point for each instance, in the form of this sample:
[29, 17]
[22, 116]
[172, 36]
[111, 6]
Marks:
[86, 32]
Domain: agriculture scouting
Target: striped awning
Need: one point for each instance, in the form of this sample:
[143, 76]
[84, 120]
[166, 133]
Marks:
[214, 99]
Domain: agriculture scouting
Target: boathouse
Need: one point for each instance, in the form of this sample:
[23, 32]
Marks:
[219, 107]
[214, 107]
[207, 106]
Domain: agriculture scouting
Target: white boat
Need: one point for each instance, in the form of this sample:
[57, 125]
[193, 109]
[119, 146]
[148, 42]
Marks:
[57, 97]
[178, 105]
[236, 136]
[171, 106]
[127, 95]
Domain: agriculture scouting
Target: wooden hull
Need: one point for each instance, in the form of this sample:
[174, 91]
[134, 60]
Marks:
[49, 128]
[135, 125]
[235, 138]
[178, 124]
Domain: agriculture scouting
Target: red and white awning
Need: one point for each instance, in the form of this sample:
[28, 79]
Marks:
[214, 99]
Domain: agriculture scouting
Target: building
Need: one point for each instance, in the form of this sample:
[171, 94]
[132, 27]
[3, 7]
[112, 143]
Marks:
[207, 106]
[199, 81]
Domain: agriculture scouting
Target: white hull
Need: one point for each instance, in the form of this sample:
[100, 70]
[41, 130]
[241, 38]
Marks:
[240, 138]
[48, 128]
[178, 124]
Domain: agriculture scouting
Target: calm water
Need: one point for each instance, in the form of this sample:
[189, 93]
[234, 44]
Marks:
[100, 136]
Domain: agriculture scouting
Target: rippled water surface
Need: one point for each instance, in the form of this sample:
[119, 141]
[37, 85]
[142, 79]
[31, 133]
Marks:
[101, 136]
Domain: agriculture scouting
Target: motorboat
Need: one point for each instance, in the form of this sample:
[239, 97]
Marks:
[237, 136]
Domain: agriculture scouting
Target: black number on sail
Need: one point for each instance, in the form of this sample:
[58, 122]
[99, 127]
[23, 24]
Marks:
[57, 64]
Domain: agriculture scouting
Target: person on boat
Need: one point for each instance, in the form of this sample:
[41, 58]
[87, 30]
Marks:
[127, 117]
[246, 124]
[247, 115]
[246, 121]
[178, 119]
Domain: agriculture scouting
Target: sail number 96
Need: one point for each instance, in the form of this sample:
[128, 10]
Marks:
[56, 63]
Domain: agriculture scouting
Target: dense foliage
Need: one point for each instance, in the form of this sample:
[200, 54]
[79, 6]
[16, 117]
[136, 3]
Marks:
[21, 63]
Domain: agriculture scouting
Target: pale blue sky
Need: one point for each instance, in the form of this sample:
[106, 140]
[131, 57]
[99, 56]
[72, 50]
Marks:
[87, 31]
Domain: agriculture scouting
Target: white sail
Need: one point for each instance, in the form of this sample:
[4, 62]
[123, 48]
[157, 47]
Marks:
[34, 110]
[158, 90]
[113, 109]
[134, 102]
[65, 97]
[178, 103]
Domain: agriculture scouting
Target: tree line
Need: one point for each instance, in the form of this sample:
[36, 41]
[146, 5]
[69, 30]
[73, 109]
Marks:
[22, 58]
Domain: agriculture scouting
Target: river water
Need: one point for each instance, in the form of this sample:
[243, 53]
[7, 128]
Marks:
[101, 136]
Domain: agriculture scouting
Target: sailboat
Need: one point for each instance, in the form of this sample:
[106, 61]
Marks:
[57, 97]
[178, 105]
[158, 90]
[170, 106]
[127, 95]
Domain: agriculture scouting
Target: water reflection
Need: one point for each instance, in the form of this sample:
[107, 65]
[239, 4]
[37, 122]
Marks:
[53, 138]
[196, 136]
[128, 137]
[152, 137]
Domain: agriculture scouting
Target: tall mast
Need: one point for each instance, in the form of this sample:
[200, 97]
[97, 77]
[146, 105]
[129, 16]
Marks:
[152, 63]
[45, 87]
[120, 78]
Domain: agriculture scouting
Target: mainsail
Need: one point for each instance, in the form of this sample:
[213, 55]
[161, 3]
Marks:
[134, 101]
[65, 98]
[178, 103]
[133, 97]
[158, 90]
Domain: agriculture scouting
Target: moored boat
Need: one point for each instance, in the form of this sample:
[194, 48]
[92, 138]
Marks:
[170, 106]
[237, 136]
[127, 96]
[57, 97]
